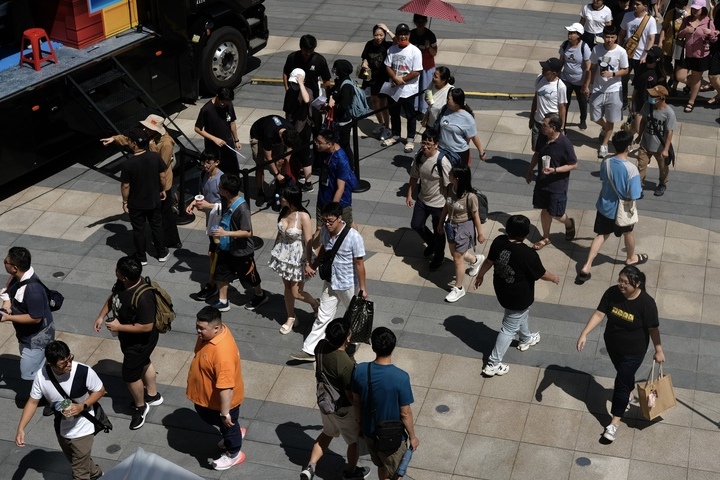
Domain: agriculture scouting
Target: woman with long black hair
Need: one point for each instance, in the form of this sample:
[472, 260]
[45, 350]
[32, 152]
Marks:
[457, 128]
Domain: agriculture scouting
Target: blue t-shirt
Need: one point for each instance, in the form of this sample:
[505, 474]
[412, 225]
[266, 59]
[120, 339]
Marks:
[211, 187]
[337, 166]
[455, 129]
[626, 178]
[391, 390]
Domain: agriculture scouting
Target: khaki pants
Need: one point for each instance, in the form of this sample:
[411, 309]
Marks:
[77, 451]
[643, 161]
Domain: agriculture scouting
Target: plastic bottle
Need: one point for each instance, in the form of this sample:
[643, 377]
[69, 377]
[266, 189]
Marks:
[407, 456]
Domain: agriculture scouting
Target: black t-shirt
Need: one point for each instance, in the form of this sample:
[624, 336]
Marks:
[216, 121]
[628, 321]
[618, 13]
[375, 55]
[266, 130]
[315, 67]
[142, 172]
[643, 79]
[516, 269]
[343, 95]
[561, 153]
[240, 220]
[121, 306]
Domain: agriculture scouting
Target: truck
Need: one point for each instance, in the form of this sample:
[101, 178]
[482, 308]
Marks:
[117, 61]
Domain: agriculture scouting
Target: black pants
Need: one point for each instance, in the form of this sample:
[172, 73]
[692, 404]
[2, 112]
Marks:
[138, 218]
[625, 79]
[626, 367]
[345, 133]
[581, 98]
[406, 104]
[421, 212]
[170, 230]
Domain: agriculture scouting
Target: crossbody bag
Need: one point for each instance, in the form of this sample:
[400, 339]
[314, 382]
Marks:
[100, 420]
[326, 263]
[388, 434]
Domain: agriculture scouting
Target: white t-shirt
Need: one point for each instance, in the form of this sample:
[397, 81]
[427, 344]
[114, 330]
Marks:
[617, 59]
[403, 61]
[42, 387]
[630, 24]
[549, 97]
[595, 20]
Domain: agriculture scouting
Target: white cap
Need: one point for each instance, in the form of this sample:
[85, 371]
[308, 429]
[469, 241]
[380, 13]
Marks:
[294, 75]
[575, 27]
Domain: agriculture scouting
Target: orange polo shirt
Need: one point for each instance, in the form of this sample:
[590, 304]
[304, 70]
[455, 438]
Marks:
[215, 367]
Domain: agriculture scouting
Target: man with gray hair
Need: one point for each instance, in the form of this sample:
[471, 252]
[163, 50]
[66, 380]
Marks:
[555, 159]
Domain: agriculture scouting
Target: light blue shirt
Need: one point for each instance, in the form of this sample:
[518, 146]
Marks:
[343, 268]
[455, 129]
[625, 178]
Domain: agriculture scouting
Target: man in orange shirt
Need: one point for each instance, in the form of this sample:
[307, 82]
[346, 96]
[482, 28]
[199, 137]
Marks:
[215, 384]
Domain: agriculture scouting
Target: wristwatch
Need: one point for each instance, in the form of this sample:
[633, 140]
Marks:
[224, 415]
[85, 406]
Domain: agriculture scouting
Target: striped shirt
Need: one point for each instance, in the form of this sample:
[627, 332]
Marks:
[343, 269]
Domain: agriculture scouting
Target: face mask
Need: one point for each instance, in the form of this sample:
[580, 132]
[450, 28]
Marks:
[680, 10]
[652, 100]
[403, 43]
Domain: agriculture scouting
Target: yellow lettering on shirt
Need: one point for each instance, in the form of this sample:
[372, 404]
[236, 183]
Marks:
[628, 317]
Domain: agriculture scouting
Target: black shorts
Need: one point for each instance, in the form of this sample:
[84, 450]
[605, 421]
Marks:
[229, 268]
[606, 226]
[714, 66]
[698, 64]
[136, 357]
[554, 203]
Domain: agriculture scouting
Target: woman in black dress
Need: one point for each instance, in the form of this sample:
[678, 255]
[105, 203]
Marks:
[374, 74]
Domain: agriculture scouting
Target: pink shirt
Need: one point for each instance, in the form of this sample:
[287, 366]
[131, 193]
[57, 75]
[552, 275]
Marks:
[697, 43]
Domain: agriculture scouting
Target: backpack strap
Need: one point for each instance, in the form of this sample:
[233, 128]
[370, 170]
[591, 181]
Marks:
[438, 166]
[144, 287]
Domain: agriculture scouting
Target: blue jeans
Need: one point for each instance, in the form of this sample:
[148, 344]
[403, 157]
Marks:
[421, 212]
[626, 367]
[231, 436]
[514, 322]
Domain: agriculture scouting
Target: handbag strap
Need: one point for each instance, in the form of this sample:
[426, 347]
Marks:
[61, 391]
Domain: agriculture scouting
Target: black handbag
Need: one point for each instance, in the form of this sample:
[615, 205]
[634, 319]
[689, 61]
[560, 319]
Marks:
[388, 434]
[100, 420]
[325, 268]
[359, 315]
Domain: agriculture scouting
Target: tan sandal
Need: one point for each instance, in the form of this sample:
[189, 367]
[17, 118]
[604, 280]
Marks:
[287, 327]
[390, 141]
[541, 244]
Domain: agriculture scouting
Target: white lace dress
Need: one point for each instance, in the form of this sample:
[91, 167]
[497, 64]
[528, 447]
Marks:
[287, 257]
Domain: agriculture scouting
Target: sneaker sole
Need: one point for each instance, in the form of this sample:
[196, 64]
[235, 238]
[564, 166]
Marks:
[495, 373]
[224, 309]
[240, 459]
[262, 302]
[455, 299]
[524, 346]
[155, 403]
[147, 409]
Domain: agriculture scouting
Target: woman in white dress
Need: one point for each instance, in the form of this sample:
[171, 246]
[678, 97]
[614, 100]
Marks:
[288, 255]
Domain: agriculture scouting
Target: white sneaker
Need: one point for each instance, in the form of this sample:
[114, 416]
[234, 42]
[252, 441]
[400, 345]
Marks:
[225, 461]
[498, 369]
[610, 432]
[534, 339]
[455, 294]
[603, 151]
[475, 267]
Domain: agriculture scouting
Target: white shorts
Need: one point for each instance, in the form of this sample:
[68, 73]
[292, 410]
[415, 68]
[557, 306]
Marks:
[342, 424]
[608, 105]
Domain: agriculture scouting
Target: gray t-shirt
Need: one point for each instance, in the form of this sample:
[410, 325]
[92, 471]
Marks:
[455, 129]
[432, 187]
[574, 57]
[240, 220]
[662, 122]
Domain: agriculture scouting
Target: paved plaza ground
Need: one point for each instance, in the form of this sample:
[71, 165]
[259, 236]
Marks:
[543, 420]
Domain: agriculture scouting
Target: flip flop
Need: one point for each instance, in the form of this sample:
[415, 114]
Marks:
[582, 278]
[570, 232]
[409, 147]
[542, 243]
[389, 142]
[641, 258]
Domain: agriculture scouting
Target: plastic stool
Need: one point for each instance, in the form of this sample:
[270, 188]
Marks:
[34, 37]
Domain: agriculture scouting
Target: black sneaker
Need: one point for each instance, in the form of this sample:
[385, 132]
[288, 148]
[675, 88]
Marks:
[256, 301]
[138, 417]
[435, 265]
[206, 292]
[307, 474]
[155, 400]
[660, 190]
[307, 187]
[357, 474]
[583, 125]
[429, 250]
[260, 200]
[48, 411]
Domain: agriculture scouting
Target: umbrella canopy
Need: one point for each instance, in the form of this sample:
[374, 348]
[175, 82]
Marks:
[433, 8]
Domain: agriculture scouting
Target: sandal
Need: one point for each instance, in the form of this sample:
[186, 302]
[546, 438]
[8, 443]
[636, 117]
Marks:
[570, 232]
[641, 258]
[706, 87]
[582, 278]
[714, 101]
[389, 142]
[409, 147]
[541, 244]
[689, 107]
[287, 327]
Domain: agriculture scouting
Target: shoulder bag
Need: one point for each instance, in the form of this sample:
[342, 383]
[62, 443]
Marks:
[389, 434]
[325, 268]
[100, 420]
[631, 43]
[627, 210]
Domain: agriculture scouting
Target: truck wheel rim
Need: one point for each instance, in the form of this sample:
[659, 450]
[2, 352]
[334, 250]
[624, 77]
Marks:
[225, 61]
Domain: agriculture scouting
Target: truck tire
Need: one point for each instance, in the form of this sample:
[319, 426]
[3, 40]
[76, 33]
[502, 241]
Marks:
[224, 59]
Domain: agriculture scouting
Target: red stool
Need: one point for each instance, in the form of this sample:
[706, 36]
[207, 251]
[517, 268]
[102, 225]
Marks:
[34, 37]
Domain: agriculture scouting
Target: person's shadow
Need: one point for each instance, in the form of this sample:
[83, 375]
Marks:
[42, 461]
[188, 433]
[580, 385]
[10, 379]
[474, 334]
[298, 446]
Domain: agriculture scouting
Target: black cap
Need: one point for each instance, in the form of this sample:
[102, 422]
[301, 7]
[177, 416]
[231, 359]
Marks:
[402, 27]
[552, 64]
[654, 54]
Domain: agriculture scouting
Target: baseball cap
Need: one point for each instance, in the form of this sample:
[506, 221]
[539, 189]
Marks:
[402, 27]
[576, 27]
[552, 64]
[294, 75]
[657, 91]
[698, 4]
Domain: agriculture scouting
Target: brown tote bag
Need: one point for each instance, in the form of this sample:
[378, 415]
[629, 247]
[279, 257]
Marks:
[656, 395]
